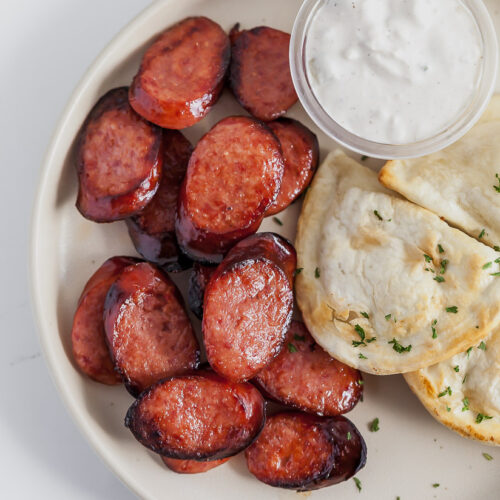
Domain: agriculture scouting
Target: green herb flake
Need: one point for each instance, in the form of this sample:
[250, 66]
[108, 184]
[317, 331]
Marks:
[427, 258]
[465, 402]
[439, 279]
[398, 347]
[436, 485]
[482, 233]
[360, 356]
[494, 274]
[358, 483]
[441, 249]
[291, 347]
[487, 265]
[464, 379]
[452, 309]
[482, 346]
[497, 261]
[456, 368]
[447, 391]
[388, 317]
[278, 221]
[299, 338]
[317, 273]
[487, 456]
[365, 315]
[468, 352]
[377, 215]
[444, 265]
[374, 425]
[430, 270]
[480, 417]
[496, 248]
[361, 382]
[298, 271]
[497, 188]
[360, 331]
[348, 436]
[448, 408]
[372, 339]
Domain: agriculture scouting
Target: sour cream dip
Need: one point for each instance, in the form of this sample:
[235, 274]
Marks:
[394, 71]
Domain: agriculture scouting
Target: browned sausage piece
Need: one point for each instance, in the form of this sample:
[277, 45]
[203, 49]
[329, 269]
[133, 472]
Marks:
[147, 328]
[182, 73]
[192, 466]
[198, 280]
[87, 335]
[248, 306]
[233, 176]
[259, 74]
[301, 155]
[306, 452]
[197, 417]
[304, 376]
[119, 160]
[153, 229]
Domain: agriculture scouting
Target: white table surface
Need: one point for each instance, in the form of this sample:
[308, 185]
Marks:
[45, 47]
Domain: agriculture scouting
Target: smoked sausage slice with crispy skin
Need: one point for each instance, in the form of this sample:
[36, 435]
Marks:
[147, 328]
[182, 73]
[233, 176]
[90, 350]
[248, 306]
[259, 75]
[192, 466]
[199, 416]
[198, 280]
[119, 160]
[304, 376]
[306, 452]
[301, 155]
[152, 230]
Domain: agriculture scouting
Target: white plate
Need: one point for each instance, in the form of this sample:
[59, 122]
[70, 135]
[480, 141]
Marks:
[409, 453]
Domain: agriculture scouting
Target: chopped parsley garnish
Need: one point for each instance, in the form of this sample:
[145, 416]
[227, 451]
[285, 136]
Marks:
[497, 261]
[360, 356]
[464, 379]
[444, 265]
[364, 158]
[372, 339]
[496, 248]
[445, 392]
[436, 485]
[497, 188]
[439, 279]
[374, 425]
[465, 402]
[388, 317]
[299, 338]
[456, 368]
[298, 270]
[361, 382]
[494, 274]
[365, 315]
[278, 221]
[317, 273]
[448, 408]
[441, 249]
[349, 435]
[377, 215]
[487, 456]
[482, 346]
[358, 483]
[360, 331]
[452, 309]
[482, 233]
[398, 347]
[487, 265]
[427, 258]
[433, 328]
[468, 352]
[480, 417]
[291, 347]
[430, 270]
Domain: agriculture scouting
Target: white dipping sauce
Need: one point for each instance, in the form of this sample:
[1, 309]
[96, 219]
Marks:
[394, 71]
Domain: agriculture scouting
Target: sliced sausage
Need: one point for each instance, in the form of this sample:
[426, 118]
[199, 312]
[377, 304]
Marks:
[153, 229]
[301, 155]
[87, 335]
[192, 466]
[197, 417]
[182, 73]
[306, 452]
[198, 280]
[248, 305]
[119, 160]
[233, 176]
[304, 376]
[259, 75]
[147, 328]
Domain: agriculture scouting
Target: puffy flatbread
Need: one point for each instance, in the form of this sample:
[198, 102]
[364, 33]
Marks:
[375, 266]
[471, 405]
[459, 183]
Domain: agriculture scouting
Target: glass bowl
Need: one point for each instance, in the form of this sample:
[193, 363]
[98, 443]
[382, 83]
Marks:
[470, 115]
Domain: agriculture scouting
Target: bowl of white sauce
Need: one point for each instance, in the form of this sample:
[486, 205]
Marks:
[394, 78]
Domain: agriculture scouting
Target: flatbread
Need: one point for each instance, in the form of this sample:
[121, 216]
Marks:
[355, 264]
[458, 183]
[474, 395]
